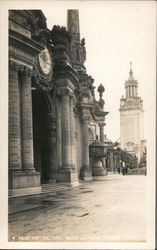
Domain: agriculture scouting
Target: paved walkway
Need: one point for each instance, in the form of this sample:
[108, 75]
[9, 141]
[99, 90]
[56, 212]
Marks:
[110, 210]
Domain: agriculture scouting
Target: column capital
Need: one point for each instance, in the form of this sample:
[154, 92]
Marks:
[64, 92]
[85, 115]
[102, 124]
[27, 71]
[13, 66]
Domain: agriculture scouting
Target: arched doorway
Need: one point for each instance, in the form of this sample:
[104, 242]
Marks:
[42, 136]
[91, 135]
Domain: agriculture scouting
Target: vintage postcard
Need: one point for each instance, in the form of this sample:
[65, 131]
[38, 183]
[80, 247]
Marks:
[78, 124]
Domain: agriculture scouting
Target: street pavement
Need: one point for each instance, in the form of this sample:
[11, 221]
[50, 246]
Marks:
[109, 210]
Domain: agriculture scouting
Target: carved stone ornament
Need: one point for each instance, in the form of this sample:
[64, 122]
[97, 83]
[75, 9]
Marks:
[86, 116]
[59, 35]
[78, 50]
[27, 71]
[37, 23]
[45, 61]
[97, 149]
[85, 88]
[82, 52]
[101, 90]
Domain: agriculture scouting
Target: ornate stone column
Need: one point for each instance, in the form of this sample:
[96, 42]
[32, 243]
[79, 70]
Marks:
[66, 158]
[27, 130]
[66, 174]
[85, 173]
[111, 161]
[26, 180]
[66, 78]
[101, 126]
[72, 134]
[14, 119]
[29, 181]
[51, 148]
[59, 132]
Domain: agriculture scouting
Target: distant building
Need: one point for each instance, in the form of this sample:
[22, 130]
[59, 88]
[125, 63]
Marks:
[131, 119]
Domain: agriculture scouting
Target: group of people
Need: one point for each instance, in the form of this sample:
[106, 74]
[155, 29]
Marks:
[123, 168]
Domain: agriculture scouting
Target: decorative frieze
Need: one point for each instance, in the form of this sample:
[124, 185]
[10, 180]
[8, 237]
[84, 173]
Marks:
[20, 54]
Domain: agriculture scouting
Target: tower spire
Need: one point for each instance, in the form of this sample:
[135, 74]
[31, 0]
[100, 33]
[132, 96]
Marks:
[131, 77]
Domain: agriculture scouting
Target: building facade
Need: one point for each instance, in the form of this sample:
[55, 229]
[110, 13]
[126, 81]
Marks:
[53, 113]
[131, 118]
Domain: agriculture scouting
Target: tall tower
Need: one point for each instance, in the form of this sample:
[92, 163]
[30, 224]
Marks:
[73, 21]
[77, 46]
[131, 117]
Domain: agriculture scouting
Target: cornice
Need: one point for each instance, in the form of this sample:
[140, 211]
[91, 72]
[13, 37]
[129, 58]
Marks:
[18, 40]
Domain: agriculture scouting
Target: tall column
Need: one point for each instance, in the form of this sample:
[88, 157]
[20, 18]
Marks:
[133, 90]
[27, 131]
[14, 119]
[72, 134]
[85, 173]
[85, 144]
[111, 161]
[26, 181]
[73, 21]
[66, 174]
[130, 90]
[59, 133]
[51, 149]
[65, 130]
[101, 126]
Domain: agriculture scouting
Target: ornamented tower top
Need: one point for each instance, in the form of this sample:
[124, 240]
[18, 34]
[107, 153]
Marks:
[131, 85]
[131, 99]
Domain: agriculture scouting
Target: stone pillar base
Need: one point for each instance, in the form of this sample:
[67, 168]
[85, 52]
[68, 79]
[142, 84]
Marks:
[68, 177]
[86, 174]
[98, 172]
[24, 183]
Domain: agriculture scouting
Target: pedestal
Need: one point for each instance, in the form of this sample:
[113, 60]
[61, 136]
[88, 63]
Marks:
[86, 174]
[98, 172]
[67, 176]
[23, 183]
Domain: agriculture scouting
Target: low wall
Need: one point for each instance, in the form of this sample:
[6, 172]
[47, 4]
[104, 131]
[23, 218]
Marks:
[137, 171]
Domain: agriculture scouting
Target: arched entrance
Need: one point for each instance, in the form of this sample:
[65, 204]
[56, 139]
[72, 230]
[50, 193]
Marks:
[91, 135]
[43, 132]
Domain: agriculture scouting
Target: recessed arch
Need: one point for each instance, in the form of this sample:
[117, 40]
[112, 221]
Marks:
[91, 134]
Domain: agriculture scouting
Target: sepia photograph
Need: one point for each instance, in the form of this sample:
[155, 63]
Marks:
[78, 129]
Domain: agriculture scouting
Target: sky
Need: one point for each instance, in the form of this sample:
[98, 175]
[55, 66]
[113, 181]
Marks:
[116, 34]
